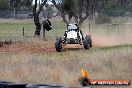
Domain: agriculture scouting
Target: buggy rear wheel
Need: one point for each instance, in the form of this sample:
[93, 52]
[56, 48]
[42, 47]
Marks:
[88, 37]
[86, 44]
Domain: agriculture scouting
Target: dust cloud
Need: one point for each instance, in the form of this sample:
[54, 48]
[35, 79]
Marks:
[105, 41]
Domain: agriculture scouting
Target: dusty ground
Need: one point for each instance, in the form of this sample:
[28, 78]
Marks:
[105, 41]
[48, 46]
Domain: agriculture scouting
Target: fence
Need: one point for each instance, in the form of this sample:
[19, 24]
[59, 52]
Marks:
[26, 30]
[109, 29]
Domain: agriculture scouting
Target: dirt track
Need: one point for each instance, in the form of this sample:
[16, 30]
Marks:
[48, 46]
[106, 41]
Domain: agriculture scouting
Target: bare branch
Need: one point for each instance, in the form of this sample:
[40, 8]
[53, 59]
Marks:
[34, 7]
[87, 12]
[80, 9]
[61, 12]
[41, 6]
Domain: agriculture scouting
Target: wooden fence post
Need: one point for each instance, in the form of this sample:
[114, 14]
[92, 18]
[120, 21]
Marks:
[23, 31]
[89, 27]
[44, 33]
[118, 30]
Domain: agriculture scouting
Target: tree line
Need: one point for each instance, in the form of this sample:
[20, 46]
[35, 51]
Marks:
[69, 5]
[18, 4]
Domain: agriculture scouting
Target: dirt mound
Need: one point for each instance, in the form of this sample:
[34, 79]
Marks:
[5, 43]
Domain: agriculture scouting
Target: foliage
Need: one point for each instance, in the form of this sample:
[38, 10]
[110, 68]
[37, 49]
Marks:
[68, 7]
[15, 3]
[115, 8]
[26, 4]
[77, 9]
[108, 7]
[4, 4]
[21, 4]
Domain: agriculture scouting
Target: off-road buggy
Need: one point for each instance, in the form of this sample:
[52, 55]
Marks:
[73, 36]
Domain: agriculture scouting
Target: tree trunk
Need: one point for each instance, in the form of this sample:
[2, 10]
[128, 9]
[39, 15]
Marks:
[38, 25]
[44, 34]
[76, 19]
[36, 16]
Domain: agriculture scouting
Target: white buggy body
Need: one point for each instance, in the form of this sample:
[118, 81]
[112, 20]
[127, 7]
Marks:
[72, 32]
[73, 35]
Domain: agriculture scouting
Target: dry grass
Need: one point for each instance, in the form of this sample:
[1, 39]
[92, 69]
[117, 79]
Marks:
[65, 68]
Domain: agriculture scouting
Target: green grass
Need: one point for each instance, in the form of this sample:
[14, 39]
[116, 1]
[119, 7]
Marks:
[11, 30]
[15, 29]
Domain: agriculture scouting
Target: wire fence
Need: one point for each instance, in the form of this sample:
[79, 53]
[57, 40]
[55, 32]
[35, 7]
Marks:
[26, 31]
[109, 29]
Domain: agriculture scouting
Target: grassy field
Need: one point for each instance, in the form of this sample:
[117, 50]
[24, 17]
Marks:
[33, 60]
[14, 30]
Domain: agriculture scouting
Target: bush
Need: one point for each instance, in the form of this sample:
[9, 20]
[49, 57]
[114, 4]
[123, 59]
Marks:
[102, 20]
[115, 13]
[4, 4]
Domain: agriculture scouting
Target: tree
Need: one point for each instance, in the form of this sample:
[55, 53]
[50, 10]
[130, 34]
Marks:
[82, 9]
[115, 8]
[21, 4]
[26, 4]
[36, 16]
[15, 3]
[4, 4]
[79, 9]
